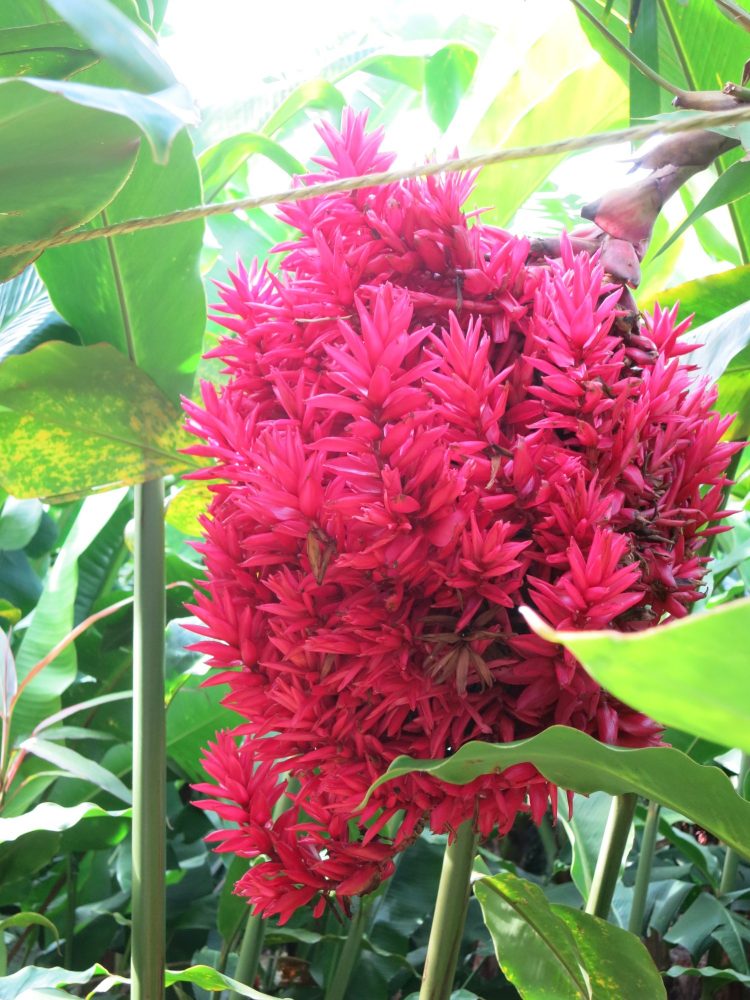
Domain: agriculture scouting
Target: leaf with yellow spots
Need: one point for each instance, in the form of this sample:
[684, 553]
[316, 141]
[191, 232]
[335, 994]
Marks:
[551, 952]
[185, 506]
[617, 961]
[74, 420]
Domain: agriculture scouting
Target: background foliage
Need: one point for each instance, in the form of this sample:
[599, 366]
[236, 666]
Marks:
[98, 341]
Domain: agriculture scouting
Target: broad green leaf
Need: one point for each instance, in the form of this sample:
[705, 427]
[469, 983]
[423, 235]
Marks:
[213, 981]
[52, 50]
[62, 163]
[45, 539]
[77, 766]
[575, 760]
[220, 162]
[312, 94]
[78, 418]
[68, 148]
[536, 951]
[710, 235]
[618, 963]
[702, 857]
[9, 613]
[52, 619]
[734, 395]
[19, 521]
[732, 185]
[447, 76]
[735, 12]
[665, 900]
[23, 919]
[159, 116]
[232, 910]
[77, 733]
[8, 677]
[702, 751]
[707, 918]
[561, 953]
[707, 298]
[30, 981]
[645, 95]
[402, 68]
[19, 583]
[193, 716]
[22, 859]
[455, 995]
[186, 505]
[709, 972]
[144, 293]
[585, 829]
[24, 304]
[707, 49]
[600, 41]
[22, 13]
[725, 354]
[723, 344]
[100, 562]
[221, 122]
[81, 706]
[51, 817]
[27, 318]
[543, 98]
[684, 674]
[118, 39]
[657, 271]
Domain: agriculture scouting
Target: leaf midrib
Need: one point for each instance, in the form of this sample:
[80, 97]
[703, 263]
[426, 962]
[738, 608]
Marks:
[583, 989]
[122, 302]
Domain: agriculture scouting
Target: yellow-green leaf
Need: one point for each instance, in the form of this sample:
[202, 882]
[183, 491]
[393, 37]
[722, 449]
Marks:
[684, 674]
[77, 419]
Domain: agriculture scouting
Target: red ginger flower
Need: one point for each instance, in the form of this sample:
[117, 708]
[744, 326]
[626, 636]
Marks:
[420, 432]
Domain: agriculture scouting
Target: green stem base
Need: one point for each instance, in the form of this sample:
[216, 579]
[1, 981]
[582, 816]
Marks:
[450, 916]
[613, 847]
[149, 747]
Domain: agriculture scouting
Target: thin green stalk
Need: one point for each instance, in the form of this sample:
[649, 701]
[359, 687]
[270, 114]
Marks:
[254, 933]
[731, 859]
[250, 949]
[624, 50]
[450, 916]
[549, 842]
[149, 747]
[643, 872]
[337, 986]
[610, 859]
[743, 244]
[70, 908]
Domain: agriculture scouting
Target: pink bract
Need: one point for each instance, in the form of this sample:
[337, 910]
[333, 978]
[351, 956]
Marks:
[421, 430]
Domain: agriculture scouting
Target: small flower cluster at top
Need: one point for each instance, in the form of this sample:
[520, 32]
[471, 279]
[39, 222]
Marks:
[423, 429]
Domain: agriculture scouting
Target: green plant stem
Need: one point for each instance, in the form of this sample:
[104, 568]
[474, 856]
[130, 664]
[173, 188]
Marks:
[70, 908]
[632, 58]
[610, 859]
[253, 935]
[450, 915]
[337, 986]
[250, 949]
[643, 873]
[149, 747]
[732, 859]
[549, 842]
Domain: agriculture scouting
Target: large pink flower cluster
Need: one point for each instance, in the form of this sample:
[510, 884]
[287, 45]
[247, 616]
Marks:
[422, 430]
